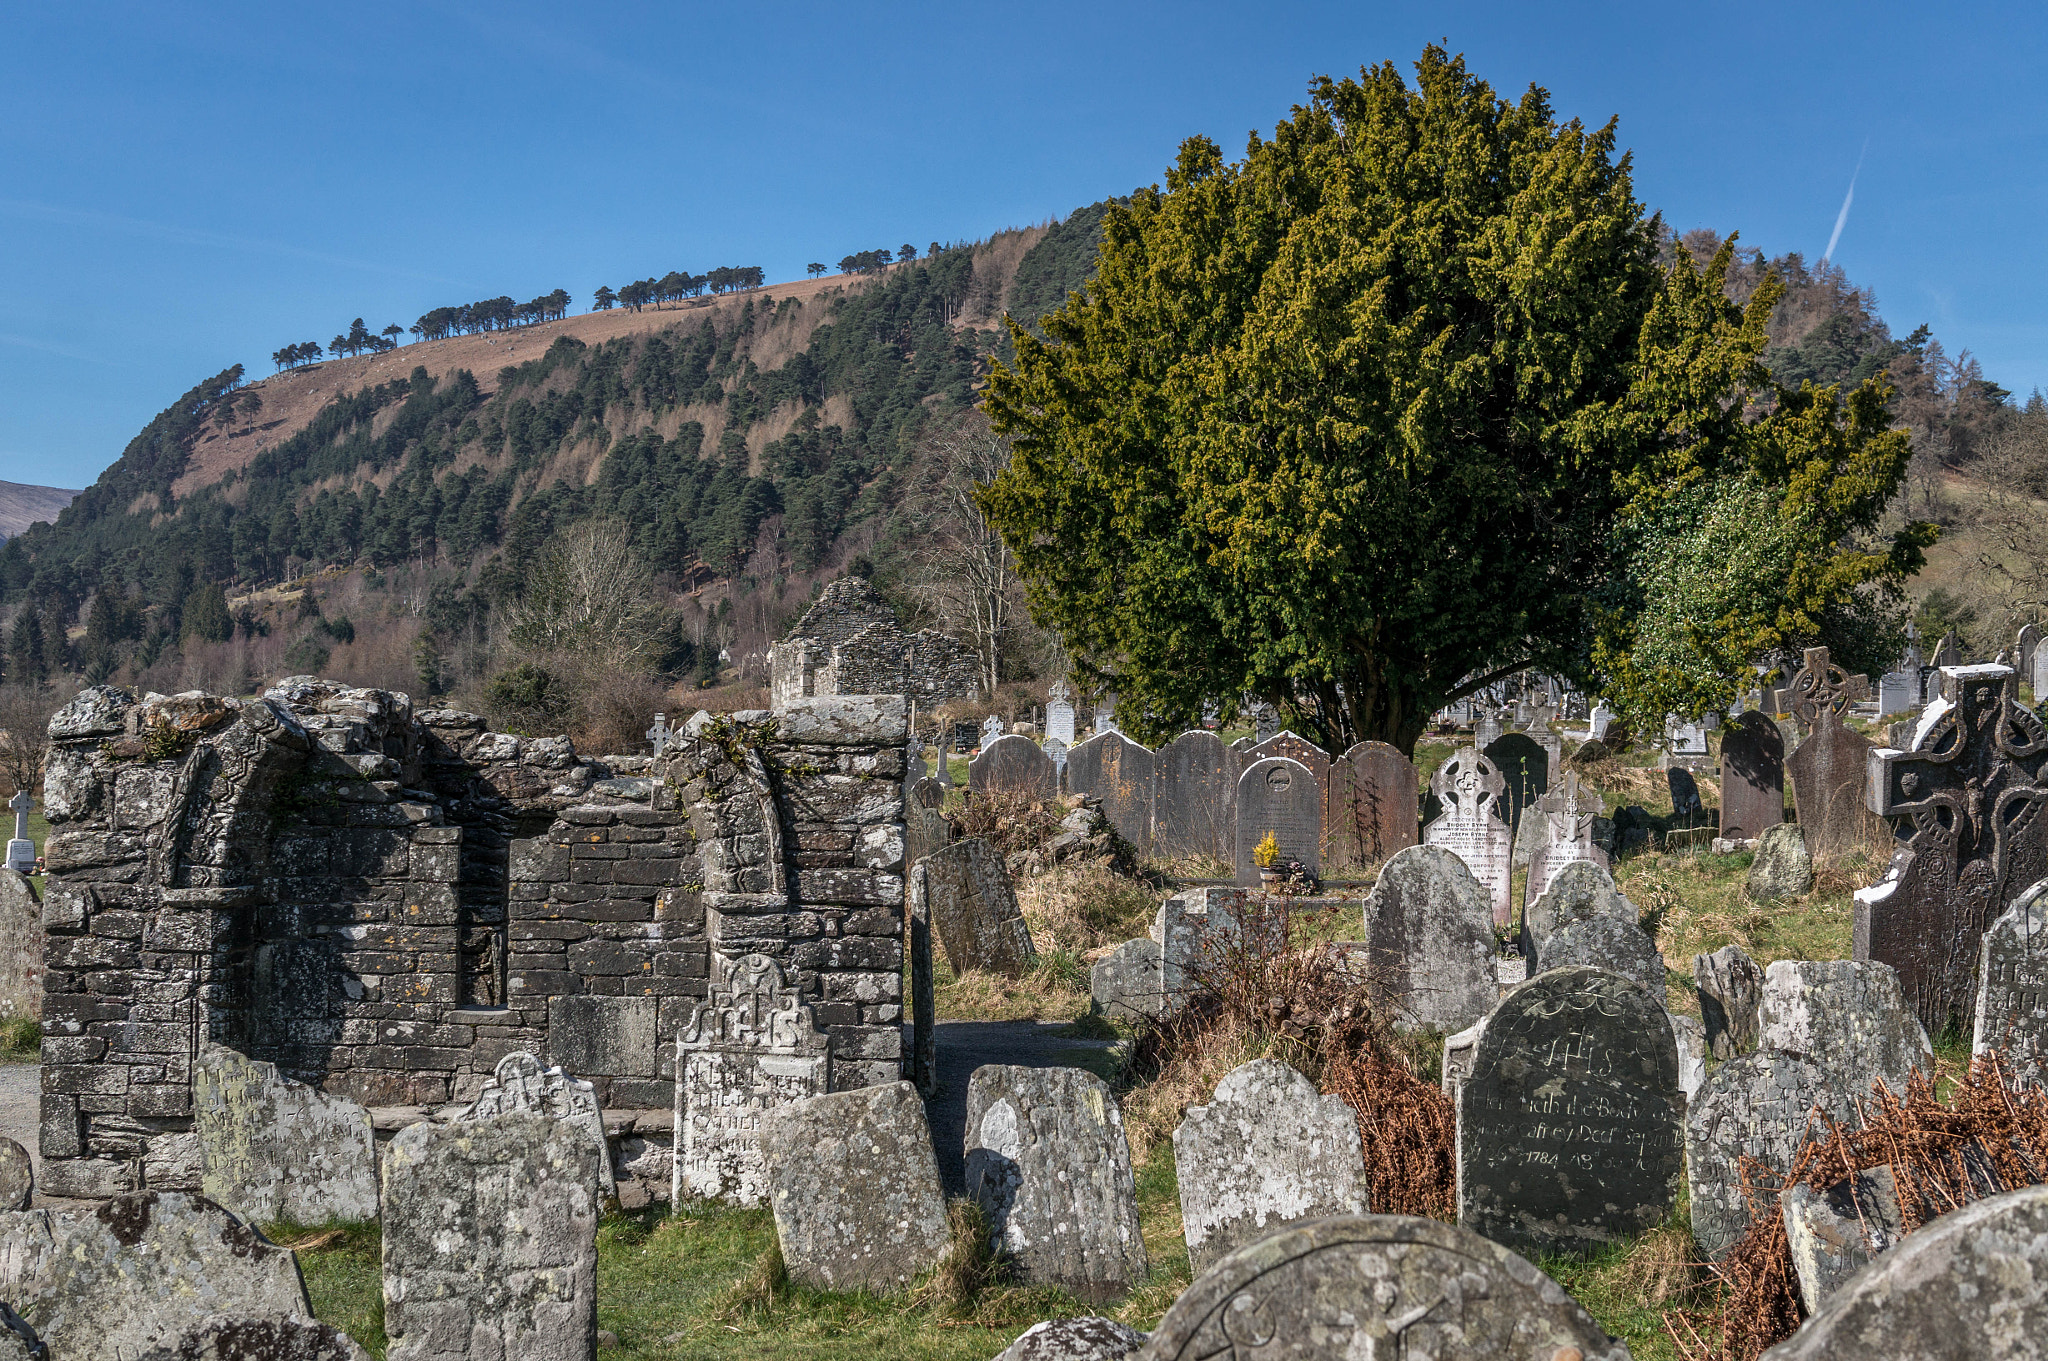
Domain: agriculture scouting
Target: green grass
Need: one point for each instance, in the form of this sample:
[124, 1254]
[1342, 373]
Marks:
[21, 1040]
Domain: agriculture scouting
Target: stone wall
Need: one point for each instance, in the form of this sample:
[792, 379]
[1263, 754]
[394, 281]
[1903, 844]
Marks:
[850, 642]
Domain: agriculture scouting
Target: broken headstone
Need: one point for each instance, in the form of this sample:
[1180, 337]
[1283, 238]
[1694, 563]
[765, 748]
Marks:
[1782, 867]
[1758, 1106]
[1848, 1016]
[973, 909]
[272, 1149]
[1731, 988]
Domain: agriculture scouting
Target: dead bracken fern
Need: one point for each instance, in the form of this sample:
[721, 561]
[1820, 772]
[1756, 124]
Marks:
[1408, 1126]
[1991, 1136]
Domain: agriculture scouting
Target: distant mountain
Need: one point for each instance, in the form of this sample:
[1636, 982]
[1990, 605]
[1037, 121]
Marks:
[21, 506]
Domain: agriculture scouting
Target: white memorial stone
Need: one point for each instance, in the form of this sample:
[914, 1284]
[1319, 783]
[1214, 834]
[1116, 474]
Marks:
[1468, 786]
[21, 852]
[1059, 717]
[1568, 813]
[522, 1083]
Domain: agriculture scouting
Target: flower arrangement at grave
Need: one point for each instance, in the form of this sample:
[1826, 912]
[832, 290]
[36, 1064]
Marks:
[1267, 853]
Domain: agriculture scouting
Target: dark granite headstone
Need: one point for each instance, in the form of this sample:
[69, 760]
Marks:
[1280, 796]
[1195, 806]
[1377, 1288]
[1968, 798]
[2012, 989]
[1369, 807]
[1686, 808]
[1752, 777]
[1757, 1106]
[1013, 765]
[1569, 1125]
[1121, 773]
[1525, 766]
[1828, 771]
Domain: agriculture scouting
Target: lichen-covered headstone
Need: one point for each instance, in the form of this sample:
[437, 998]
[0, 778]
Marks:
[272, 1149]
[2012, 989]
[1369, 807]
[1833, 1234]
[1757, 1106]
[1580, 891]
[1127, 982]
[490, 1241]
[1611, 942]
[1782, 868]
[1428, 942]
[1195, 812]
[21, 947]
[1012, 764]
[222, 1338]
[1752, 777]
[1075, 1339]
[855, 1188]
[1378, 1288]
[1266, 1150]
[1468, 788]
[133, 1273]
[1569, 1123]
[1974, 1283]
[17, 1176]
[18, 1341]
[1731, 988]
[521, 1083]
[1047, 1160]
[1278, 796]
[972, 908]
[1846, 1015]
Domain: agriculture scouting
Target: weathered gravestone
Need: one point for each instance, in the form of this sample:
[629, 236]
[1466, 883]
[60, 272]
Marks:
[2012, 989]
[1948, 652]
[1782, 868]
[1685, 746]
[522, 1082]
[1047, 1161]
[1752, 777]
[1849, 1016]
[1428, 944]
[2039, 675]
[1122, 774]
[991, 729]
[1758, 1106]
[272, 1149]
[1607, 941]
[21, 948]
[1468, 787]
[1056, 752]
[1731, 988]
[1377, 1288]
[1127, 982]
[1487, 727]
[925, 828]
[1566, 816]
[21, 852]
[111, 1282]
[1011, 764]
[1832, 1234]
[1278, 795]
[1369, 807]
[1579, 891]
[1974, 1284]
[1195, 806]
[1294, 747]
[1266, 1150]
[751, 1045]
[1568, 1126]
[1202, 930]
[1692, 1053]
[490, 1241]
[1059, 714]
[1075, 1339]
[1525, 770]
[1827, 768]
[854, 1185]
[222, 1338]
[2024, 643]
[1970, 794]
[17, 1176]
[965, 892]
[1686, 808]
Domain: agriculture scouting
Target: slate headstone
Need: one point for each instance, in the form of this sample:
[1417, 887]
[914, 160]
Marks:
[1525, 768]
[855, 1188]
[1047, 1161]
[1377, 1288]
[1127, 982]
[1294, 747]
[21, 947]
[1832, 1234]
[1686, 808]
[973, 910]
[1611, 942]
[1731, 988]
[1579, 891]
[1818, 688]
[1428, 941]
[490, 1240]
[1056, 752]
[1265, 1151]
[1849, 1016]
[1828, 773]
[1468, 788]
[1122, 774]
[1369, 807]
[1569, 1124]
[1968, 801]
[276, 1149]
[2012, 989]
[1278, 795]
[1974, 1283]
[1009, 764]
[1195, 804]
[1757, 1106]
[222, 1338]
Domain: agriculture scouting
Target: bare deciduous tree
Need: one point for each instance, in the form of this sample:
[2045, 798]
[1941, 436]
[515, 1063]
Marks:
[2012, 468]
[591, 597]
[24, 733]
[962, 570]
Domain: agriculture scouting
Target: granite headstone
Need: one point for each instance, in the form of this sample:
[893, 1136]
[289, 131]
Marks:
[1195, 806]
[1122, 774]
[1280, 796]
[1428, 944]
[1369, 807]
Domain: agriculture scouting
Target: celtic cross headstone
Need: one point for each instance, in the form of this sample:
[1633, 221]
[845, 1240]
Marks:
[21, 852]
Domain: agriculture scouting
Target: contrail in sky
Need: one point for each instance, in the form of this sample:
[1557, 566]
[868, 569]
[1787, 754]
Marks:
[1842, 218]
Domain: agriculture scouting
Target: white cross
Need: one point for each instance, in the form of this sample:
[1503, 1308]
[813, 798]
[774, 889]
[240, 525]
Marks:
[659, 733]
[21, 803]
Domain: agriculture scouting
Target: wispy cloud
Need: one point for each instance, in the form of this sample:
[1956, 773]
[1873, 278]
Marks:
[28, 210]
[1842, 218]
[64, 351]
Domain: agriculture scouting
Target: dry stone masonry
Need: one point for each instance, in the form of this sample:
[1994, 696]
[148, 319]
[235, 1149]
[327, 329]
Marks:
[850, 642]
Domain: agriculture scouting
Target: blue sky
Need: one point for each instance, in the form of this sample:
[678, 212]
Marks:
[187, 186]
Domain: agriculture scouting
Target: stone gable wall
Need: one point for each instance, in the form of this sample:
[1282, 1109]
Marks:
[850, 642]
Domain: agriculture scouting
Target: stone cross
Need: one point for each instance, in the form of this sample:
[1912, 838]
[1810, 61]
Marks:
[1968, 798]
[660, 733]
[21, 852]
[1468, 787]
[991, 729]
[21, 803]
[1819, 685]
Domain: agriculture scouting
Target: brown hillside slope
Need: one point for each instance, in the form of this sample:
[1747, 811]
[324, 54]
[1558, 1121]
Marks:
[22, 505]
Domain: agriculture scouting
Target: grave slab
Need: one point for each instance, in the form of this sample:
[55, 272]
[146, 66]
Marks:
[1428, 940]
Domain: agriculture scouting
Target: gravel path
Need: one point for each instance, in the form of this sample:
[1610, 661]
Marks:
[966, 1045]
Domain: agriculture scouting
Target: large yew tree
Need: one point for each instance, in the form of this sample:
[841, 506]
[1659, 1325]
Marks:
[1393, 407]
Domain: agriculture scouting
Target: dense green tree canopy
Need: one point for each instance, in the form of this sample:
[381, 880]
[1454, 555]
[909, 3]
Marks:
[1367, 419]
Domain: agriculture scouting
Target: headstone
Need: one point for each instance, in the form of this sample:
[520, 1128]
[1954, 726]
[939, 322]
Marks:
[1047, 1161]
[21, 947]
[1599, 721]
[2028, 638]
[1752, 777]
[1783, 868]
[2012, 989]
[1428, 941]
[1010, 764]
[1897, 692]
[273, 1149]
[1948, 652]
[1849, 1016]
[1126, 983]
[2039, 675]
[521, 1082]
[1970, 794]
[751, 1045]
[1831, 1235]
[965, 736]
[1487, 729]
[1201, 927]
[1567, 816]
[1579, 891]
[943, 772]
[1075, 1339]
[222, 1338]
[925, 828]
[1686, 808]
[1685, 746]
[1974, 1283]
[1377, 1288]
[1195, 806]
[972, 908]
[1568, 1126]
[854, 1185]
[1731, 989]
[17, 1176]
[1828, 773]
[991, 728]
[1609, 942]
[112, 1281]
[660, 733]
[1266, 1150]
[1121, 773]
[1294, 747]
[490, 1240]
[1525, 767]
[21, 852]
[1279, 796]
[1265, 720]
[1757, 1106]
[1818, 688]
[1691, 1038]
[1469, 788]
[1059, 714]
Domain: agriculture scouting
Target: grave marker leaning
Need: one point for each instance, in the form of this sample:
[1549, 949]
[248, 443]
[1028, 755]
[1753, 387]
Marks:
[1850, 1017]
[1731, 989]
[1469, 788]
[272, 1149]
[965, 893]
[1755, 1106]
[1278, 795]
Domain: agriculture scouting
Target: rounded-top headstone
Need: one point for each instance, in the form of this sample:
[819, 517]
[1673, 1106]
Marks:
[1569, 1124]
[1580, 890]
[1075, 1339]
[1759, 1106]
[1607, 941]
[1278, 795]
[1380, 1286]
[1370, 809]
[1429, 940]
